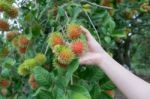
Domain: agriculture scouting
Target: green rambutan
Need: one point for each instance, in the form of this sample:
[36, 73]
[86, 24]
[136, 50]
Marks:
[30, 63]
[40, 58]
[74, 31]
[4, 6]
[15, 42]
[4, 52]
[4, 26]
[55, 38]
[78, 47]
[11, 35]
[22, 70]
[64, 55]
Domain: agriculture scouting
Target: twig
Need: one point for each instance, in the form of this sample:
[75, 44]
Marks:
[93, 25]
[104, 7]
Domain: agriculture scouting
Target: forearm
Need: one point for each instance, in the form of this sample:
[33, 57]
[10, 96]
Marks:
[132, 86]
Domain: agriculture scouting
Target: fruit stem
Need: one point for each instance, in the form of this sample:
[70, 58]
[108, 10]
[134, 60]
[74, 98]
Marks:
[71, 80]
[94, 4]
[93, 25]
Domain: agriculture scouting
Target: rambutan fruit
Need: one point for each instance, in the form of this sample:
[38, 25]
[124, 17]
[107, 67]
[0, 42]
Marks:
[4, 83]
[4, 91]
[74, 31]
[87, 7]
[22, 70]
[15, 42]
[4, 6]
[4, 52]
[58, 64]
[32, 82]
[31, 79]
[30, 63]
[4, 26]
[23, 41]
[40, 58]
[11, 35]
[78, 47]
[145, 7]
[12, 12]
[22, 50]
[64, 55]
[55, 38]
[34, 85]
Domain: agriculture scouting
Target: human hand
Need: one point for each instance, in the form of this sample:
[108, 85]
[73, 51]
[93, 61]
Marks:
[95, 51]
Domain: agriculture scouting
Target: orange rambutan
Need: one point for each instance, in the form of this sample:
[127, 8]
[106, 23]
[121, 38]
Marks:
[4, 26]
[78, 47]
[12, 12]
[23, 41]
[11, 35]
[55, 38]
[74, 31]
[64, 55]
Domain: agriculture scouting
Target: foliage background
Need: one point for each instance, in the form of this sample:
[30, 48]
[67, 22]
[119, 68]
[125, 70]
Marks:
[123, 31]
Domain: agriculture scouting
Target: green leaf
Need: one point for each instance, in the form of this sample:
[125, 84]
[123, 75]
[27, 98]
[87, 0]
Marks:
[108, 86]
[71, 69]
[118, 34]
[65, 75]
[36, 29]
[42, 93]
[104, 96]
[96, 91]
[42, 76]
[79, 92]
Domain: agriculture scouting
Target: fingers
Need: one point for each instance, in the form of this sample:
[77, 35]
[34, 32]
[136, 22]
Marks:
[87, 33]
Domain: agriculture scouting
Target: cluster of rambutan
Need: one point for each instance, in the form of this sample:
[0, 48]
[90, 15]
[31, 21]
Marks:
[20, 42]
[10, 10]
[4, 83]
[64, 51]
[26, 67]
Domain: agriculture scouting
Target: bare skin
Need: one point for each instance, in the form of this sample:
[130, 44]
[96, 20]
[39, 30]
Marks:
[131, 86]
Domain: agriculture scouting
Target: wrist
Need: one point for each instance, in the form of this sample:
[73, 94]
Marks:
[102, 58]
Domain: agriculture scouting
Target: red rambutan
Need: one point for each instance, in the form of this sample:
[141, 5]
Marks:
[22, 50]
[78, 47]
[23, 41]
[4, 26]
[4, 83]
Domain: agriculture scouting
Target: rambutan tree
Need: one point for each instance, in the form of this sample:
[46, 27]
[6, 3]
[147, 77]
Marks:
[41, 41]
